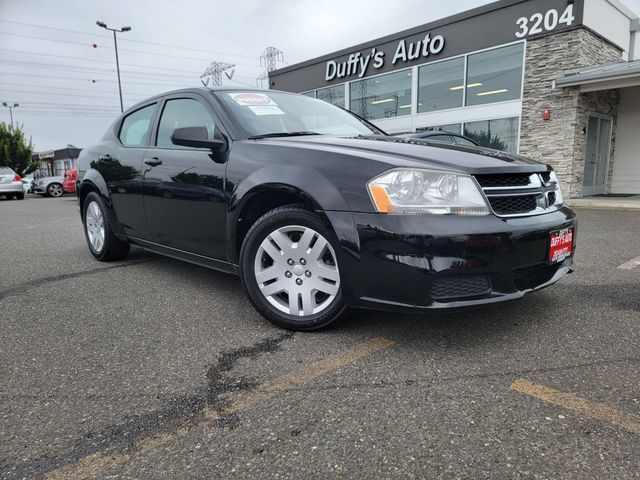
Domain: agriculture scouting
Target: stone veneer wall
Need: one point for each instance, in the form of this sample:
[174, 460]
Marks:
[561, 141]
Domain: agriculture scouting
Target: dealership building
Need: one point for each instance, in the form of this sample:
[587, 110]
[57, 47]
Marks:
[555, 80]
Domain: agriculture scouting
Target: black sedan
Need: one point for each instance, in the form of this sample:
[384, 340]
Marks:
[319, 211]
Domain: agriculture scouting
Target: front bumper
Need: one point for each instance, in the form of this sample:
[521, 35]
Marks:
[403, 262]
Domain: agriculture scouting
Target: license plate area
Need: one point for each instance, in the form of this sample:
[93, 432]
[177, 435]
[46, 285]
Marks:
[560, 245]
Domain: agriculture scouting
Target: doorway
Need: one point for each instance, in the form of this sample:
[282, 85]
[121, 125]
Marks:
[596, 160]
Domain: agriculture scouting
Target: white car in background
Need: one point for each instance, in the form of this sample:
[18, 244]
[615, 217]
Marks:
[48, 186]
[10, 184]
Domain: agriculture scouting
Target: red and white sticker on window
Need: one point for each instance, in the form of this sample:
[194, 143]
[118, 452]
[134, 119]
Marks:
[252, 99]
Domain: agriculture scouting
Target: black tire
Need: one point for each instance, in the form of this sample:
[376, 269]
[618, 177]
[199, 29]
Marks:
[20, 196]
[279, 217]
[53, 191]
[113, 248]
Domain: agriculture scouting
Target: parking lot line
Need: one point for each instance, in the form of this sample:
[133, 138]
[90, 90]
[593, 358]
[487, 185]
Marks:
[96, 463]
[633, 263]
[569, 401]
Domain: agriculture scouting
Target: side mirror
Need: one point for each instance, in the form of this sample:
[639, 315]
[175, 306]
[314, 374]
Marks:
[197, 137]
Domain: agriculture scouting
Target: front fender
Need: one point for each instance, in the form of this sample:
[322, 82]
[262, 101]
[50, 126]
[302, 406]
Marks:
[307, 181]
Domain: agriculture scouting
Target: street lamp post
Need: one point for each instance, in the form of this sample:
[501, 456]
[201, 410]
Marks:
[115, 42]
[10, 106]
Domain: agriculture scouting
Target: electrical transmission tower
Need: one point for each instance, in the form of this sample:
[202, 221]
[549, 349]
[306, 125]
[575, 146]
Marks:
[268, 60]
[213, 74]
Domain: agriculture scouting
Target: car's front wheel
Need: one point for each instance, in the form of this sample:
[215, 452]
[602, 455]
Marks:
[290, 269]
[55, 190]
[98, 231]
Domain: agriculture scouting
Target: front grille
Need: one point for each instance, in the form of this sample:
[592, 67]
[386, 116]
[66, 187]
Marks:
[504, 180]
[460, 287]
[518, 193]
[513, 205]
[533, 275]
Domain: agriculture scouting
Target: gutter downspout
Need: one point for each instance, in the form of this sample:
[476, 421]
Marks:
[635, 28]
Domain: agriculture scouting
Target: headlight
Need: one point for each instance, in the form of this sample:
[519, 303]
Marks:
[414, 192]
[553, 178]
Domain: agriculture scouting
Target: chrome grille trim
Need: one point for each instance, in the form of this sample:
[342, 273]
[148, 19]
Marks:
[536, 187]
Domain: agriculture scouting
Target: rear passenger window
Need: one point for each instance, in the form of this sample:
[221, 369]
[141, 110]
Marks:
[136, 127]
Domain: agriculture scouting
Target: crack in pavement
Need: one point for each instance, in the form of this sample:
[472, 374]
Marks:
[179, 412]
[19, 289]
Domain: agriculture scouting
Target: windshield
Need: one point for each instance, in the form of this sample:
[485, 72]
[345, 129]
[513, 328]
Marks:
[264, 114]
[6, 171]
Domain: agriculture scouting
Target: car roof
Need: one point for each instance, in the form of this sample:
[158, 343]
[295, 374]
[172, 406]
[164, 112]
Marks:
[201, 90]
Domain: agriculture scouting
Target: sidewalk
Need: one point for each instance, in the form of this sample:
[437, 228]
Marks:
[606, 203]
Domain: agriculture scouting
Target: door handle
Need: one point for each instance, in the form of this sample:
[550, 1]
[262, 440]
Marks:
[153, 162]
[106, 158]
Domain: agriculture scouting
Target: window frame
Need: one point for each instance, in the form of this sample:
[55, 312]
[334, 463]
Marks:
[155, 102]
[219, 127]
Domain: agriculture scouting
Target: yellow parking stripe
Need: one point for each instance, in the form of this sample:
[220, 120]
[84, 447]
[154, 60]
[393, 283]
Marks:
[96, 463]
[569, 401]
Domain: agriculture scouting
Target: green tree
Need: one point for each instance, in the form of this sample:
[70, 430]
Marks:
[15, 152]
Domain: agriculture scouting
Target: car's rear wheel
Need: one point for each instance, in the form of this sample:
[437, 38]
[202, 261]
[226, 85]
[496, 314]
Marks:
[20, 196]
[290, 269]
[98, 231]
[55, 190]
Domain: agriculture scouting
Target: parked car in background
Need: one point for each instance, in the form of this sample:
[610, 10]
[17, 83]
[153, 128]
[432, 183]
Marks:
[69, 183]
[10, 184]
[444, 137]
[49, 186]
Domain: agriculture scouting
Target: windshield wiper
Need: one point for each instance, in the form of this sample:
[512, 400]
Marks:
[283, 134]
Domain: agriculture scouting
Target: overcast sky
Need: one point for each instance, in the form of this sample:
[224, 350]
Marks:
[67, 90]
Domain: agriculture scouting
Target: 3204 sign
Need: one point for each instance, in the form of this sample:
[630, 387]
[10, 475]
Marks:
[544, 22]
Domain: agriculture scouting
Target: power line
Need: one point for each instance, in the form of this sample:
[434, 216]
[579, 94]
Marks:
[62, 88]
[208, 52]
[91, 60]
[182, 57]
[93, 70]
[85, 79]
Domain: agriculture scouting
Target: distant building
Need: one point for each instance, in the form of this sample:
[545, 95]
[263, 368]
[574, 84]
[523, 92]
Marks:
[55, 162]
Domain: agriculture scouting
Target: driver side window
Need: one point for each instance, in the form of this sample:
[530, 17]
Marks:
[179, 113]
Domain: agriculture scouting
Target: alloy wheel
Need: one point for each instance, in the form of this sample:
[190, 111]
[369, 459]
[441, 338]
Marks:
[55, 190]
[296, 270]
[94, 224]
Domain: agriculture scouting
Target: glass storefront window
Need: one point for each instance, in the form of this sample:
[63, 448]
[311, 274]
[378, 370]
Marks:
[382, 97]
[495, 75]
[333, 95]
[441, 85]
[499, 134]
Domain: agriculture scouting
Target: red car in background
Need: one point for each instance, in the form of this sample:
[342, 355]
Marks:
[69, 183]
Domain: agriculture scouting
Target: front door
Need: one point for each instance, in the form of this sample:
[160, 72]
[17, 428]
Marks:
[597, 155]
[183, 188]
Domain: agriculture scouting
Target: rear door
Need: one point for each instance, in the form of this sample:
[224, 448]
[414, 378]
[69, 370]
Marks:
[184, 198]
[120, 163]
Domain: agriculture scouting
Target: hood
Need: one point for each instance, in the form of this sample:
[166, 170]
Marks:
[415, 153]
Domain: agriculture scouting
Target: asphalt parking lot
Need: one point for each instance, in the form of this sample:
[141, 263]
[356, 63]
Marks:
[152, 368]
